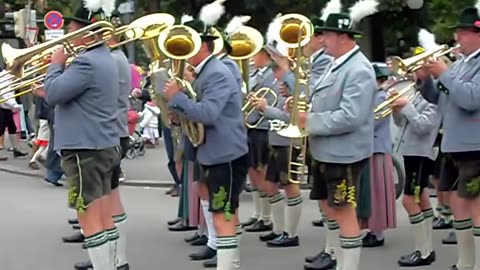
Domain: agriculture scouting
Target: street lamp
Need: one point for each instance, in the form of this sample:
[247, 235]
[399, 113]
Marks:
[415, 4]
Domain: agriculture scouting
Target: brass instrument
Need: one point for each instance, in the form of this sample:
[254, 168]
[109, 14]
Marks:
[402, 67]
[404, 88]
[130, 33]
[153, 25]
[248, 107]
[295, 32]
[218, 42]
[180, 43]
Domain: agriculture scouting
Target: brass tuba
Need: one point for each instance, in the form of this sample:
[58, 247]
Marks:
[180, 43]
[295, 32]
[153, 25]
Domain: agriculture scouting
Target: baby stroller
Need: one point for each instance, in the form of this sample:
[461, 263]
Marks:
[136, 146]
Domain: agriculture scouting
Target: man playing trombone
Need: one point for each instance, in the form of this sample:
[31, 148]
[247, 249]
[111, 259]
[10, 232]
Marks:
[85, 96]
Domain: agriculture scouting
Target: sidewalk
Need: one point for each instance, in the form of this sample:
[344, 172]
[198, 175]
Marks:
[149, 170]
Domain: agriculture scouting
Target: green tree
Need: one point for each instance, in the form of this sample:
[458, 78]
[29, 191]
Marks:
[444, 13]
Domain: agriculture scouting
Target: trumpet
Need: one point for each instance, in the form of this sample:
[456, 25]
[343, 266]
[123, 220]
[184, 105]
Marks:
[180, 43]
[295, 32]
[248, 107]
[402, 67]
[407, 89]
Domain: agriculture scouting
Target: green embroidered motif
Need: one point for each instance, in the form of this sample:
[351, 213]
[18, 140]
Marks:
[228, 215]
[219, 198]
[80, 205]
[473, 186]
[72, 195]
[416, 194]
[75, 199]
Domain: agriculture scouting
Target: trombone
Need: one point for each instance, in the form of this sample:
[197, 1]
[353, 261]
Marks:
[295, 32]
[180, 43]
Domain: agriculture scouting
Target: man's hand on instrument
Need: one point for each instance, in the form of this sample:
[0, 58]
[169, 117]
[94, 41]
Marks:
[436, 67]
[391, 92]
[171, 89]
[59, 56]
[288, 104]
[260, 104]
[189, 75]
[38, 91]
[283, 89]
[399, 103]
[302, 119]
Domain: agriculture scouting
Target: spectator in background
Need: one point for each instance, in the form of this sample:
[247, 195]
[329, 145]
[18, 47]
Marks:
[149, 123]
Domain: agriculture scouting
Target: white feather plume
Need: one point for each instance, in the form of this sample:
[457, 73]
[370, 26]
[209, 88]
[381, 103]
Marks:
[426, 39]
[186, 18]
[334, 6]
[236, 23]
[362, 9]
[273, 29]
[92, 5]
[108, 7]
[211, 13]
[477, 5]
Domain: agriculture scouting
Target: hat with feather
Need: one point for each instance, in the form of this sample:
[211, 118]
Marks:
[87, 12]
[270, 43]
[333, 6]
[426, 40]
[207, 18]
[231, 29]
[346, 23]
[111, 14]
[469, 18]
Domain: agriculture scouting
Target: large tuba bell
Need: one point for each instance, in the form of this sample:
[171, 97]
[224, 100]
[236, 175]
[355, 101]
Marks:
[153, 25]
[180, 43]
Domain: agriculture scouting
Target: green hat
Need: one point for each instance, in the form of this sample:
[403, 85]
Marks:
[115, 19]
[468, 18]
[381, 71]
[340, 23]
[205, 31]
[317, 23]
[85, 16]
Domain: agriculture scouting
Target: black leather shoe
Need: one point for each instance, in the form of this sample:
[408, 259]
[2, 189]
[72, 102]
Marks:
[259, 226]
[317, 223]
[201, 241]
[453, 267]
[204, 254]
[268, 237]
[370, 241]
[180, 227]
[310, 259]
[249, 222]
[83, 265]
[74, 238]
[451, 239]
[211, 263]
[72, 221]
[323, 262]
[76, 227]
[174, 221]
[284, 241]
[415, 260]
[441, 224]
[192, 237]
[124, 267]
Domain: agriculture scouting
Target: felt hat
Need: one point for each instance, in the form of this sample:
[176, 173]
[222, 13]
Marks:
[205, 31]
[381, 71]
[207, 19]
[87, 12]
[317, 23]
[339, 23]
[469, 18]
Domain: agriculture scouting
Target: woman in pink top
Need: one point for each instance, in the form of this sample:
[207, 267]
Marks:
[136, 77]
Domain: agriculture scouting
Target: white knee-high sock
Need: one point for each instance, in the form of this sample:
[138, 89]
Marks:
[266, 209]
[113, 237]
[465, 244]
[121, 224]
[332, 238]
[476, 239]
[256, 203]
[351, 249]
[428, 228]
[13, 140]
[294, 212]
[418, 223]
[277, 204]
[98, 248]
[227, 246]
[236, 257]
[212, 233]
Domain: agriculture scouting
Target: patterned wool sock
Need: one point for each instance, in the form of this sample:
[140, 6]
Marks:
[417, 222]
[256, 203]
[332, 238]
[277, 204]
[236, 257]
[212, 233]
[98, 248]
[227, 246]
[294, 212]
[121, 224]
[476, 240]
[113, 237]
[266, 209]
[465, 244]
[351, 248]
[428, 227]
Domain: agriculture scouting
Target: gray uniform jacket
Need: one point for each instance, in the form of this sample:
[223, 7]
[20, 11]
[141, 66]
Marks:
[86, 98]
[233, 67]
[125, 83]
[262, 78]
[219, 109]
[341, 122]
[418, 122]
[382, 133]
[458, 97]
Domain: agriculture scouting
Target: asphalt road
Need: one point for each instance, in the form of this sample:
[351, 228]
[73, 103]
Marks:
[35, 218]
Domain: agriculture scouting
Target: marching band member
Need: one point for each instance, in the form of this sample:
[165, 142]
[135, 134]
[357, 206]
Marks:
[460, 103]
[86, 98]
[223, 157]
[340, 127]
[418, 123]
[379, 177]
